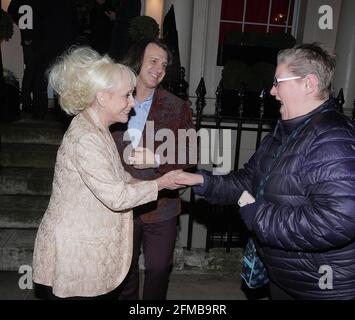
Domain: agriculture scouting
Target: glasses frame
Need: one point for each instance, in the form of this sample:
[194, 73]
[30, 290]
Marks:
[276, 81]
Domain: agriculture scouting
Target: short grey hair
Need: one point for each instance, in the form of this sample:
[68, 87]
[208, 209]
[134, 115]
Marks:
[80, 73]
[310, 59]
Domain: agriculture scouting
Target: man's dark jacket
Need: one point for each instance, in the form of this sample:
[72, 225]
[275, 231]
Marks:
[167, 112]
[304, 177]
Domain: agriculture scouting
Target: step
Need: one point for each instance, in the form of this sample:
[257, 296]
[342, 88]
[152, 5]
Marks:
[33, 133]
[26, 181]
[16, 248]
[22, 211]
[28, 155]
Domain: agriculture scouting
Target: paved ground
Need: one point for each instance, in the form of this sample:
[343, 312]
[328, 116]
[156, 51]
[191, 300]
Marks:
[205, 286]
[184, 285]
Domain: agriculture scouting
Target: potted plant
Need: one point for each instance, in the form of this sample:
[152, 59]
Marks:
[143, 27]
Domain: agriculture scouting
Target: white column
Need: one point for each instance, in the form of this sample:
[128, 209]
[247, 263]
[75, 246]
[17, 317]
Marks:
[154, 9]
[204, 49]
[198, 45]
[345, 50]
[143, 7]
[183, 17]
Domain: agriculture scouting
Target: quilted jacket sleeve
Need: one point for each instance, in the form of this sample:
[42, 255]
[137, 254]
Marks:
[92, 157]
[328, 219]
[227, 189]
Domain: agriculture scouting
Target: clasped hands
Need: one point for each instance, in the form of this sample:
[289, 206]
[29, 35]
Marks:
[178, 179]
[143, 158]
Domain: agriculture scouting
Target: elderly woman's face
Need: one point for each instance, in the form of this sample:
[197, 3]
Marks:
[119, 102]
[288, 90]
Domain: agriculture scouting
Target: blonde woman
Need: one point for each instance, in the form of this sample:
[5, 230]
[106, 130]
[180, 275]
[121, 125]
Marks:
[84, 242]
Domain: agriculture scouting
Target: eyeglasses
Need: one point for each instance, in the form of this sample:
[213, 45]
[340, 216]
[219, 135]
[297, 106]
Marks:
[276, 81]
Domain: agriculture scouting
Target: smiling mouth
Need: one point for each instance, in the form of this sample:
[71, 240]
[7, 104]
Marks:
[155, 76]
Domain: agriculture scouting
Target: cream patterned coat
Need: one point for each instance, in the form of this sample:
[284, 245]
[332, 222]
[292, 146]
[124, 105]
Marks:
[84, 242]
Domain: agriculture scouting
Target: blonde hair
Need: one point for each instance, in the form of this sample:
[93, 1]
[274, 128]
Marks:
[80, 73]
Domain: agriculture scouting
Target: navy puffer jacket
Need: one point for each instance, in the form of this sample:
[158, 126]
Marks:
[305, 182]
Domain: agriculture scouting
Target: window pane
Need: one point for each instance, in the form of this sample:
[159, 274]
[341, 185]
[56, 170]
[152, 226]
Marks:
[232, 10]
[257, 11]
[279, 11]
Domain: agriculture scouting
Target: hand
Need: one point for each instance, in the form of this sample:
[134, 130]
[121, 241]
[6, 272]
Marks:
[167, 181]
[249, 212]
[111, 15]
[142, 158]
[189, 179]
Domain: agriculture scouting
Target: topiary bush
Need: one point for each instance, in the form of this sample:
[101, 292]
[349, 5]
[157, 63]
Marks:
[143, 27]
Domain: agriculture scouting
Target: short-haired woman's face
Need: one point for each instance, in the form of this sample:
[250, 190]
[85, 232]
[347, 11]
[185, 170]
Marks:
[289, 93]
[119, 102]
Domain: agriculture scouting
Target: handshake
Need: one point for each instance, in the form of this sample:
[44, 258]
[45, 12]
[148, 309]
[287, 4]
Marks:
[143, 158]
[178, 179]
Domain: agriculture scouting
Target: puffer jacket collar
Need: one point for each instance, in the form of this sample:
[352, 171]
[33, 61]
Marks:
[284, 127]
[291, 124]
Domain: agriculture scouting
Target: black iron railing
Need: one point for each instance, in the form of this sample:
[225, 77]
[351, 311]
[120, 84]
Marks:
[224, 227]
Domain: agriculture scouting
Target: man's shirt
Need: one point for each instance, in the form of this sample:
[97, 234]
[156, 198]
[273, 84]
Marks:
[137, 122]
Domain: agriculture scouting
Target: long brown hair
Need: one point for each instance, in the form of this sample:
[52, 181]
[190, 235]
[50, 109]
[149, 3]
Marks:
[135, 55]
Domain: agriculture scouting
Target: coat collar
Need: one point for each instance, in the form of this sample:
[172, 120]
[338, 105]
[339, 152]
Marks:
[285, 127]
[290, 125]
[93, 118]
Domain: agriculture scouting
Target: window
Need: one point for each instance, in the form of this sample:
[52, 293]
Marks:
[252, 32]
[262, 16]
